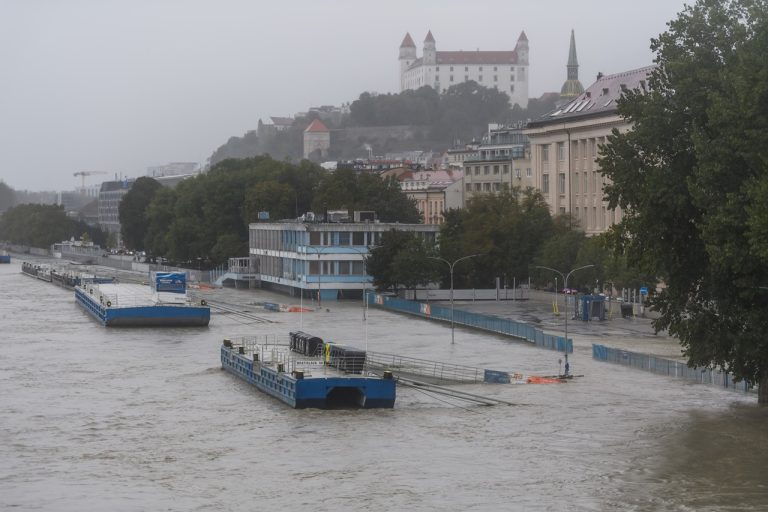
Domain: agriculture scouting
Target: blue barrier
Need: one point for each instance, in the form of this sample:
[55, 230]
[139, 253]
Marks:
[475, 320]
[668, 367]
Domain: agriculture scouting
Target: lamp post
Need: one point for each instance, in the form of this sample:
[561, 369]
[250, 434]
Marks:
[365, 287]
[565, 286]
[450, 267]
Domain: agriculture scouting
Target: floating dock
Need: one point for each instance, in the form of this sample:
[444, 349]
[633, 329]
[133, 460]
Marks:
[136, 305]
[308, 373]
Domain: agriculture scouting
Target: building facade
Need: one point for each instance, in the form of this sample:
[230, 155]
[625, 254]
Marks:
[565, 145]
[427, 189]
[506, 71]
[318, 259]
[317, 140]
[110, 195]
[502, 160]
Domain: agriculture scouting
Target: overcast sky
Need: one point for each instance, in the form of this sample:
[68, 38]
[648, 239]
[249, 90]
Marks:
[116, 86]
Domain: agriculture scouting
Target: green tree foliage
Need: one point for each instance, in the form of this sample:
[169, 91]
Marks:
[406, 108]
[692, 178]
[400, 261]
[132, 212]
[38, 225]
[206, 218]
[507, 229]
[348, 190]
[7, 196]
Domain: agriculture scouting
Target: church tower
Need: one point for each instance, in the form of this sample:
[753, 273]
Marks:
[572, 88]
[407, 56]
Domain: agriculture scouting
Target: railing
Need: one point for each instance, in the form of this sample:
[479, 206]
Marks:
[475, 320]
[668, 367]
[433, 370]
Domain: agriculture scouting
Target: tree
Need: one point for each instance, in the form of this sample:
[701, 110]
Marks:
[7, 196]
[692, 179]
[38, 225]
[132, 212]
[400, 261]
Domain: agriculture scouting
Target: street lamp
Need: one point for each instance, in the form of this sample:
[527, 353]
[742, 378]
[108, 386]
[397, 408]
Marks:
[450, 266]
[565, 286]
[365, 286]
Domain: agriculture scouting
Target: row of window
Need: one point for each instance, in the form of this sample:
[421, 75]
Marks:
[480, 68]
[580, 149]
[505, 170]
[576, 181]
[486, 187]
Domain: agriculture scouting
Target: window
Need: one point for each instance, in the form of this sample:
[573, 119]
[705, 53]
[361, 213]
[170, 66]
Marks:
[521, 73]
[466, 78]
[486, 169]
[451, 68]
[506, 168]
[586, 182]
[495, 78]
[437, 68]
[469, 187]
[478, 186]
[495, 169]
[562, 210]
[512, 78]
[517, 173]
[561, 151]
[477, 170]
[496, 187]
[487, 187]
[512, 88]
[495, 68]
[545, 183]
[466, 68]
[481, 68]
[561, 184]
[576, 183]
[450, 78]
[594, 147]
[545, 153]
[528, 173]
[481, 78]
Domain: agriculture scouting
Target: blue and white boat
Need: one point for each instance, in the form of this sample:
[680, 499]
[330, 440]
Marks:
[164, 303]
[308, 373]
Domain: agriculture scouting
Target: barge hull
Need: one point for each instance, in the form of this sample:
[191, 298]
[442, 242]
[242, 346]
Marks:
[316, 392]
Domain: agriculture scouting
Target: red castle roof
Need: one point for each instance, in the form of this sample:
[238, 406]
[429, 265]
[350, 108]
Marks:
[316, 126]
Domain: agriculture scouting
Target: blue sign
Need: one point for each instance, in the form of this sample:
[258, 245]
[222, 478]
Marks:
[173, 282]
[643, 291]
[263, 215]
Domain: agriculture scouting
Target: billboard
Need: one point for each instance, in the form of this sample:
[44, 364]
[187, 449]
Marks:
[173, 282]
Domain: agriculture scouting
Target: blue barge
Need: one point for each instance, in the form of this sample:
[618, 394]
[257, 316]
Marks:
[134, 305]
[307, 381]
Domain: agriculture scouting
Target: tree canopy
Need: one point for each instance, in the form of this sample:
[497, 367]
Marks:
[132, 212]
[41, 225]
[692, 179]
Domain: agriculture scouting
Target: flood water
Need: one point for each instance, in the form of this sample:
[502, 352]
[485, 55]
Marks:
[144, 419]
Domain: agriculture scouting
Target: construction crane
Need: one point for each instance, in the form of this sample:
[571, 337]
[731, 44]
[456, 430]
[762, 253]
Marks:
[83, 174]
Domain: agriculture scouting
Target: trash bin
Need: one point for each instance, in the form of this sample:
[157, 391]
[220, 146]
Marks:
[626, 310]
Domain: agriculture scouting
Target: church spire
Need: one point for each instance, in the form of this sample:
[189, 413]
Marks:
[572, 88]
[573, 61]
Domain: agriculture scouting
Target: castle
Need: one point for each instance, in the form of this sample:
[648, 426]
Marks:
[506, 71]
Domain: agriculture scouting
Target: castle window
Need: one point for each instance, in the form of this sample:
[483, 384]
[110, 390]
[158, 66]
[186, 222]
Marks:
[495, 78]
[466, 68]
[481, 78]
[495, 68]
[451, 68]
[521, 73]
[481, 68]
[451, 78]
[512, 88]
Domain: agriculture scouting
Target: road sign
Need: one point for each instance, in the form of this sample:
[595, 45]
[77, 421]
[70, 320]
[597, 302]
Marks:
[643, 291]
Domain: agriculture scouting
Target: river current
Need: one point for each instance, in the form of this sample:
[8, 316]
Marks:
[145, 419]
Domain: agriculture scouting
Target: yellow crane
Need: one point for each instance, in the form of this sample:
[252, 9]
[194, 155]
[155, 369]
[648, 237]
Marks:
[83, 174]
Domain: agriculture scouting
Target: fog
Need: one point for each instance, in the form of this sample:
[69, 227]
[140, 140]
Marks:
[116, 86]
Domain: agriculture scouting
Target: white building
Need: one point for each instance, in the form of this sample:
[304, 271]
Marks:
[506, 71]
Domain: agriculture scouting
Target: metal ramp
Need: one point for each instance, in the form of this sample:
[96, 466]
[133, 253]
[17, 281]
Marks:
[424, 370]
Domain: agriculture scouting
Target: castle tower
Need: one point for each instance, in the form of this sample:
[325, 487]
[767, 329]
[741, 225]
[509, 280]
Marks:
[522, 49]
[572, 88]
[430, 53]
[407, 56]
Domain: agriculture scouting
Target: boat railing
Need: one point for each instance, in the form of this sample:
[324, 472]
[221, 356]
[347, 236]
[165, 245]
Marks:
[435, 370]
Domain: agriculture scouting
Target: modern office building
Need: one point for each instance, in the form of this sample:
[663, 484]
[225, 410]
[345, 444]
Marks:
[320, 259]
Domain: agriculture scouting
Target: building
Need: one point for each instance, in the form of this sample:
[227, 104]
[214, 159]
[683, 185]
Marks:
[564, 149]
[506, 71]
[427, 189]
[317, 141]
[173, 169]
[502, 160]
[320, 259]
[110, 195]
[572, 86]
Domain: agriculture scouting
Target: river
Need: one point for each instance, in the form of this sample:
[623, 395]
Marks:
[144, 419]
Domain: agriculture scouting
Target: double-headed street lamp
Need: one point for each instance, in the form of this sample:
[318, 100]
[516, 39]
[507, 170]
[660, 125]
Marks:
[565, 287]
[450, 266]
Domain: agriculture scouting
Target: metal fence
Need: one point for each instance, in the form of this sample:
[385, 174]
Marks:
[475, 320]
[668, 367]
